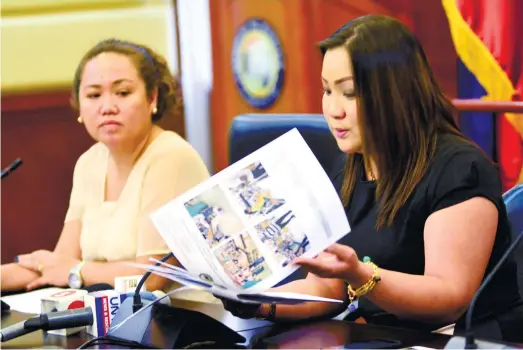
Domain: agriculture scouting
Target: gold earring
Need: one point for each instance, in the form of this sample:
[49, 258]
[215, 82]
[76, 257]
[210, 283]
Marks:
[155, 110]
[80, 120]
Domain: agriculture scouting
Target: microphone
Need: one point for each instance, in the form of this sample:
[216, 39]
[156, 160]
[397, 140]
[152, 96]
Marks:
[62, 319]
[14, 331]
[53, 320]
[6, 171]
[469, 343]
[100, 311]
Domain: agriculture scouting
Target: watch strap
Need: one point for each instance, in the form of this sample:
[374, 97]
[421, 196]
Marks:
[77, 270]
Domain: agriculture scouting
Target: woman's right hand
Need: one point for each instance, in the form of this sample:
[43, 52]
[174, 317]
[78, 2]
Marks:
[239, 309]
[53, 268]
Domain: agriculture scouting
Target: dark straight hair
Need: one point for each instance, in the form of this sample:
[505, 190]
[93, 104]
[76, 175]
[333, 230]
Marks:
[401, 109]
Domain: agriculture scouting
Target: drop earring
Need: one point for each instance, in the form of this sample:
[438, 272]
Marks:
[80, 120]
[155, 110]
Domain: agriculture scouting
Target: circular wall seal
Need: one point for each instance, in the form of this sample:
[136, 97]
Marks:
[258, 63]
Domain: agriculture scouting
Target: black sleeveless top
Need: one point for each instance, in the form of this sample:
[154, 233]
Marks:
[459, 171]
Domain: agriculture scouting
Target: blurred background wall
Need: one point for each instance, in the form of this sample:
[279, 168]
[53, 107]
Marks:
[42, 42]
[298, 26]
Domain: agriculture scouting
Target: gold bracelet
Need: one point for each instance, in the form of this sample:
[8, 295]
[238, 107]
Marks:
[367, 287]
[271, 315]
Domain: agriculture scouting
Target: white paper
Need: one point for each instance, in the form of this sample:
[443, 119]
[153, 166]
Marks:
[240, 230]
[287, 297]
[30, 302]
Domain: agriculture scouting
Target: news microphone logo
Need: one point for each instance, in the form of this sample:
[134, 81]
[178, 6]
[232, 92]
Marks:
[9, 169]
[63, 300]
[105, 304]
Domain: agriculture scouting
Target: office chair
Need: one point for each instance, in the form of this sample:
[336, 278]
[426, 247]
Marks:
[513, 199]
[249, 132]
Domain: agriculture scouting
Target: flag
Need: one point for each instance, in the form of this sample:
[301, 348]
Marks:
[488, 40]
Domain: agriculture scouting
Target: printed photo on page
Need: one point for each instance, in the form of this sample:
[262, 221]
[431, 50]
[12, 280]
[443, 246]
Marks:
[241, 229]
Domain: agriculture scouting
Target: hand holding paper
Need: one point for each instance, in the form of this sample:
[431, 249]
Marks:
[238, 233]
[338, 261]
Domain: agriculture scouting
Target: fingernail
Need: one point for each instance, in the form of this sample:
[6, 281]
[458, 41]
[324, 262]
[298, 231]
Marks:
[16, 259]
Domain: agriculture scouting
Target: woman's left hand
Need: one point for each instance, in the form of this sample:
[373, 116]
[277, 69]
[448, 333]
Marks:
[337, 261]
[54, 268]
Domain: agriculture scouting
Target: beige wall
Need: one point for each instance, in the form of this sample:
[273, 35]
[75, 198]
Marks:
[43, 40]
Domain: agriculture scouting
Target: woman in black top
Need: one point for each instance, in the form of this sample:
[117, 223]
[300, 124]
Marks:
[423, 202]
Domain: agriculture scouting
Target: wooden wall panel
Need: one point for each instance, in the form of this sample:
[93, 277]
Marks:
[226, 101]
[432, 29]
[299, 24]
[43, 131]
[318, 19]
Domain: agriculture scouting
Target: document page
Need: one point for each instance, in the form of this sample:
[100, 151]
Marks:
[30, 302]
[241, 229]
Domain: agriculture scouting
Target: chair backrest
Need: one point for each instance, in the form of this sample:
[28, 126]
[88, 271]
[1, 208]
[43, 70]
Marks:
[513, 199]
[249, 132]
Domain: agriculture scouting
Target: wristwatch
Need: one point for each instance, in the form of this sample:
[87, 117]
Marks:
[75, 279]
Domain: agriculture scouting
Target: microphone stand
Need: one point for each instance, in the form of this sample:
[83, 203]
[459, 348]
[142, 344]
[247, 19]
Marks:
[470, 343]
[165, 327]
[137, 299]
[469, 339]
